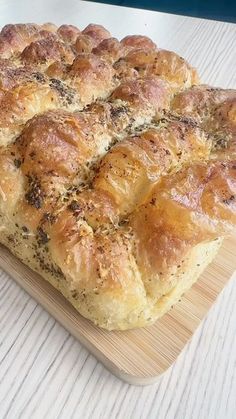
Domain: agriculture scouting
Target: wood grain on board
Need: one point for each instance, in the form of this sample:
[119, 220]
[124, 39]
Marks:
[137, 356]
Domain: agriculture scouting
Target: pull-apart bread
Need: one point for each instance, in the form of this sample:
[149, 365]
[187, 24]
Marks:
[117, 168]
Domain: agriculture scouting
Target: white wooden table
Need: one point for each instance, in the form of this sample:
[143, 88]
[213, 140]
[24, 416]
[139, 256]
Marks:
[45, 372]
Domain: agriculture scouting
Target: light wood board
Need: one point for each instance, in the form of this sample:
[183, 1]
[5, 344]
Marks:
[137, 356]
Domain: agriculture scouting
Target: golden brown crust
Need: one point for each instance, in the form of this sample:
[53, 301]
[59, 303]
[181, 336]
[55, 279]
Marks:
[184, 209]
[138, 42]
[117, 173]
[84, 43]
[199, 102]
[96, 32]
[131, 167]
[20, 104]
[50, 48]
[214, 110]
[110, 49]
[91, 76]
[68, 33]
[14, 38]
[164, 64]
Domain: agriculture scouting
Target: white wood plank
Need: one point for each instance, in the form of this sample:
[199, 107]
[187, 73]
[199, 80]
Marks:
[44, 372]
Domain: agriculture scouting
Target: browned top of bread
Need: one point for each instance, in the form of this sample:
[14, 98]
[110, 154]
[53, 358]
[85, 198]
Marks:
[115, 163]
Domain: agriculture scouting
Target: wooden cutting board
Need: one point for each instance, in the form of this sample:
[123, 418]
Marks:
[137, 356]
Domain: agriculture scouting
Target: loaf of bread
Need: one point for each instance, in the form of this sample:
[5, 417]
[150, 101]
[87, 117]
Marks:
[117, 168]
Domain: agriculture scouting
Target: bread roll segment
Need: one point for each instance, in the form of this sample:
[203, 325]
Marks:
[117, 168]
